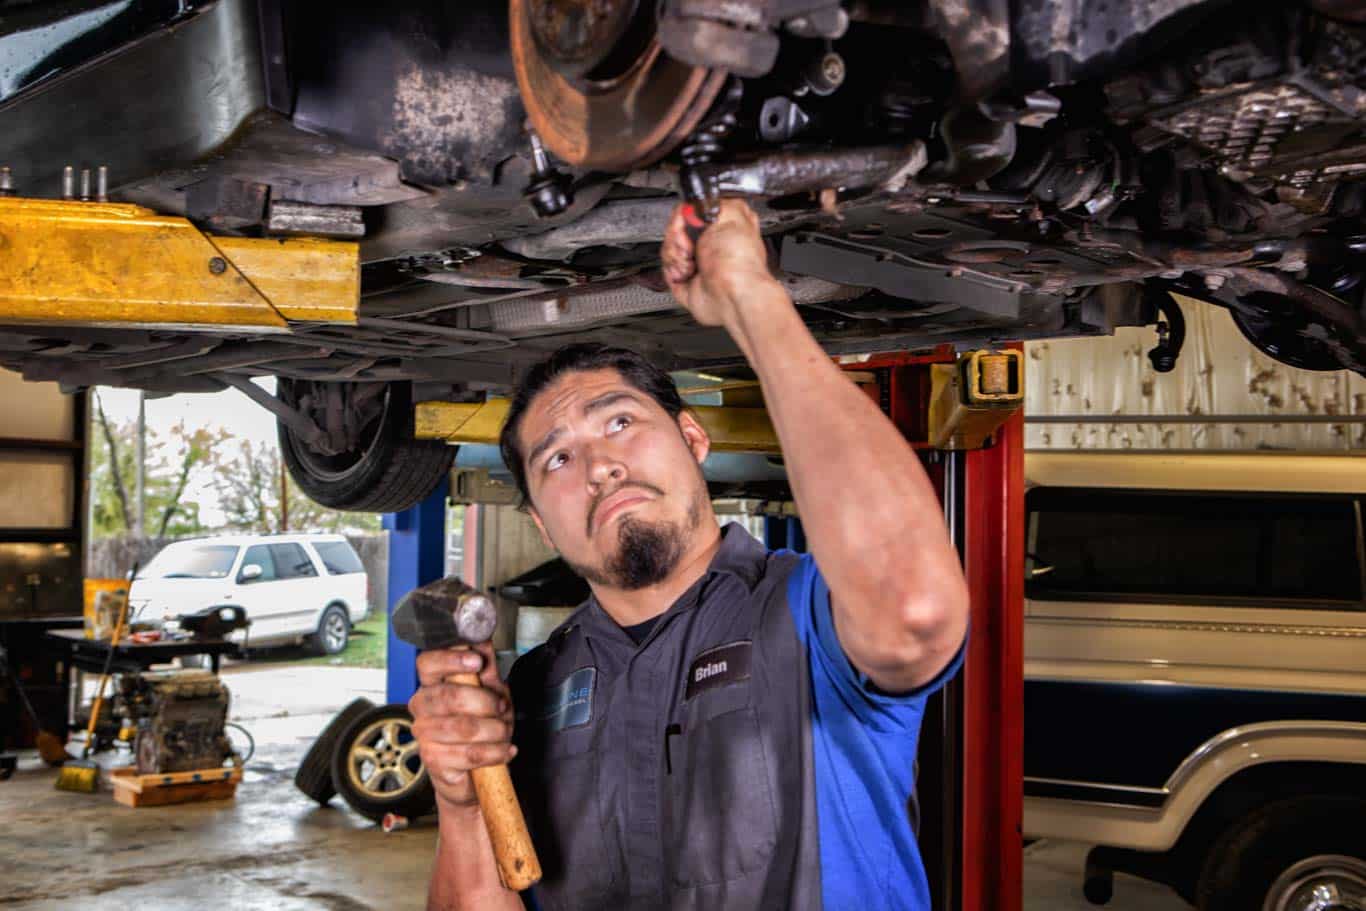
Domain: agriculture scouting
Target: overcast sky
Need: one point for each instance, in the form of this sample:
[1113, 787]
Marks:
[229, 410]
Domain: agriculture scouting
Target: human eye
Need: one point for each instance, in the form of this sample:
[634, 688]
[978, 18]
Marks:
[619, 423]
[556, 461]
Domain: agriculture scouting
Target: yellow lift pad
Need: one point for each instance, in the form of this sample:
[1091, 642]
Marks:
[112, 264]
[731, 429]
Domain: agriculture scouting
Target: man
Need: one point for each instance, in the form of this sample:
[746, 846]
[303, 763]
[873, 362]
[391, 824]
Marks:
[718, 727]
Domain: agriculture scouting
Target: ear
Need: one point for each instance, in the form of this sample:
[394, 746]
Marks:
[540, 526]
[694, 435]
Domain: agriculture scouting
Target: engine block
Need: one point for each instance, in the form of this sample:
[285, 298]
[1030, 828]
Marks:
[179, 716]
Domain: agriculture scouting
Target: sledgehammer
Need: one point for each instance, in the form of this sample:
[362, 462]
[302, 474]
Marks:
[441, 614]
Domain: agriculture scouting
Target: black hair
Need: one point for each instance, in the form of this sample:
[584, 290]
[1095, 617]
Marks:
[634, 369]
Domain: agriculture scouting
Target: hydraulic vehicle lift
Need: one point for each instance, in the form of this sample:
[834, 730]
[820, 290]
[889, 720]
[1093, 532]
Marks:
[962, 412]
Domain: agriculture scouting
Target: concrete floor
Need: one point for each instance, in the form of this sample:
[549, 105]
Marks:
[273, 848]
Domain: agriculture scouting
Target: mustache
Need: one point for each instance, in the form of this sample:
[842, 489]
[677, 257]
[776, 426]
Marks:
[593, 510]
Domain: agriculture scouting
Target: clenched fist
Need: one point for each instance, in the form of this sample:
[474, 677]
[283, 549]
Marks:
[713, 278]
[459, 728]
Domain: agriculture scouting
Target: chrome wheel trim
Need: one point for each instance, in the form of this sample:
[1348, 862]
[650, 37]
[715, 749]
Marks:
[1325, 882]
[334, 632]
[383, 762]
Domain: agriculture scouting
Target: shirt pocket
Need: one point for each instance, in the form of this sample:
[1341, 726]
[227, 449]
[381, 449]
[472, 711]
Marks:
[722, 819]
[558, 781]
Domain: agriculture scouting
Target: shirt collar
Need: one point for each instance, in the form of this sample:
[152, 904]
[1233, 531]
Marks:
[740, 555]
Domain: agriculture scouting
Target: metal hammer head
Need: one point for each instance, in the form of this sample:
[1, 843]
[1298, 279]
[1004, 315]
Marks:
[444, 613]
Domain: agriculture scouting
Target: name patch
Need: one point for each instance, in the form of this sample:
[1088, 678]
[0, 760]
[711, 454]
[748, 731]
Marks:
[729, 663]
[569, 704]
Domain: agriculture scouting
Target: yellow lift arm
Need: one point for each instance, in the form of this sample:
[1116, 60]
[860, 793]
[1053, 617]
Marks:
[969, 401]
[730, 429]
[105, 264]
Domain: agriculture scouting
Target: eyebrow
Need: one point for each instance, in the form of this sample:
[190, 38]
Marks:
[606, 400]
[546, 442]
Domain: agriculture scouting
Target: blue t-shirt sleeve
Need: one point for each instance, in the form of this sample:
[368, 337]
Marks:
[808, 596]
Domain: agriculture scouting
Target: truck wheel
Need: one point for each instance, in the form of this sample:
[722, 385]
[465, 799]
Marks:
[1291, 855]
[384, 470]
[376, 767]
[314, 776]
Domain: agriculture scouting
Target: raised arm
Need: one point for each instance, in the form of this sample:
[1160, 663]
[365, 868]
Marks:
[874, 524]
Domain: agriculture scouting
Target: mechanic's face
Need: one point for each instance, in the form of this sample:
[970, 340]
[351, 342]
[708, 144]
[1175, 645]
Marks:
[615, 483]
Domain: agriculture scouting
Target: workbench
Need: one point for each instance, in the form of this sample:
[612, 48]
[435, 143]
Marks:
[131, 657]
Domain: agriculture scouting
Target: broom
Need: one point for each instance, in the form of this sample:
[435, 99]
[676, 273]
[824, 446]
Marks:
[49, 744]
[83, 774]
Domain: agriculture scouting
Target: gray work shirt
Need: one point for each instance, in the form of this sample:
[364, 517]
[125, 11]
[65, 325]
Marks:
[678, 773]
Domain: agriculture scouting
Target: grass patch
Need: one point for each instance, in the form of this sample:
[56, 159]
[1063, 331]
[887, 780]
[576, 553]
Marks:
[368, 648]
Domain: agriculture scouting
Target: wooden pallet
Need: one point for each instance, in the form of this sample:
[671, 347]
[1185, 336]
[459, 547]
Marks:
[134, 790]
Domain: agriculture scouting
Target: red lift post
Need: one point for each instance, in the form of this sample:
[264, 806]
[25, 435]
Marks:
[973, 839]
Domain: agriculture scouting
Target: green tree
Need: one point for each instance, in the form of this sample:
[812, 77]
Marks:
[249, 479]
[177, 461]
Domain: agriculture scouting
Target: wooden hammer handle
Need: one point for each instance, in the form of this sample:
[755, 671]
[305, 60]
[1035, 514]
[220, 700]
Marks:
[512, 848]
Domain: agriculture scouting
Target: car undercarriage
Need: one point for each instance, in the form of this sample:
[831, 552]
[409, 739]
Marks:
[947, 171]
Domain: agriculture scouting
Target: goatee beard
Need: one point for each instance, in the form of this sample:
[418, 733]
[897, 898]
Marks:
[647, 553]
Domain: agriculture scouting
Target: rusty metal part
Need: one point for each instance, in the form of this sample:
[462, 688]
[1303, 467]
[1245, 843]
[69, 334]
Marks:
[696, 183]
[301, 424]
[977, 146]
[549, 191]
[978, 35]
[108, 264]
[629, 121]
[995, 374]
[576, 36]
[784, 173]
[1319, 304]
[308, 218]
[707, 42]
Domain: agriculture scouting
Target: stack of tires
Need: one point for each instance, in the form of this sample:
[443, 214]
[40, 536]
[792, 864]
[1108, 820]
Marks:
[368, 755]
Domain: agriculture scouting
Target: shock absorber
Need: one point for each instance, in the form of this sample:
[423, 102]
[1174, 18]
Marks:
[696, 181]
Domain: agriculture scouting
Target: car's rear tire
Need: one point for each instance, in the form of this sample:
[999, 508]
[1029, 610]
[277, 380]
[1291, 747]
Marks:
[376, 767]
[388, 471]
[1276, 857]
[314, 775]
[333, 633]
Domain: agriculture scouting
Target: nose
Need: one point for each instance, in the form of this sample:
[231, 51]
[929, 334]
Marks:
[604, 469]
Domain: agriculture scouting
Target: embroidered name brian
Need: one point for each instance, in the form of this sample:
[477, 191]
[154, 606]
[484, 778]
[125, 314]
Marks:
[725, 664]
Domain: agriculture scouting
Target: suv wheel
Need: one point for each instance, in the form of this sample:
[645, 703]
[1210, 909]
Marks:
[334, 632]
[382, 468]
[1302, 854]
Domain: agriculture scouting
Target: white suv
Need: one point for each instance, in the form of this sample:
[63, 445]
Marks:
[294, 588]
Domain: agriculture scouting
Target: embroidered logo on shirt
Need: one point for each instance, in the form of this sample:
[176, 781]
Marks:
[569, 704]
[719, 666]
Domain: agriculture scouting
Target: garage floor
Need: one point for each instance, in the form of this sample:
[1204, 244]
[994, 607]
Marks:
[272, 848]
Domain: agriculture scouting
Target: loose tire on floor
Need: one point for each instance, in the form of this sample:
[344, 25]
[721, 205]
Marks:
[376, 767]
[314, 775]
[333, 633]
[389, 472]
[1285, 850]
